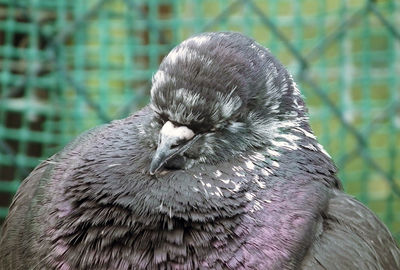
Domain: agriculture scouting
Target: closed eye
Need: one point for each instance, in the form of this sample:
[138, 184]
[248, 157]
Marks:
[175, 145]
[178, 143]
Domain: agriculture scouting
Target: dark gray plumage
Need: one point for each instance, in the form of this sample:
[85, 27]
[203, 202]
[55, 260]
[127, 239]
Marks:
[221, 171]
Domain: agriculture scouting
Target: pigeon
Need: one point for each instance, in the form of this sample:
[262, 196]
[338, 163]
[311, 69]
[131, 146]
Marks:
[220, 171]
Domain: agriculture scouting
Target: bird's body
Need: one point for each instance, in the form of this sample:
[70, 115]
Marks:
[221, 171]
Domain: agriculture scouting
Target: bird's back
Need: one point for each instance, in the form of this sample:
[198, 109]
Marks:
[349, 236]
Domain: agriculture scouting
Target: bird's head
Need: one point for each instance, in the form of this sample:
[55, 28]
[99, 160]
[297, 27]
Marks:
[217, 95]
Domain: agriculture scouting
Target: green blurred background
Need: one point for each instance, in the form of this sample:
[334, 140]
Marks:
[69, 65]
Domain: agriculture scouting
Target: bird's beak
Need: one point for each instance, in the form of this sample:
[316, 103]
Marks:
[172, 141]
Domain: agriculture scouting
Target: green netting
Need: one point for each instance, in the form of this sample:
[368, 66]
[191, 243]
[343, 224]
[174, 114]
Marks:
[66, 66]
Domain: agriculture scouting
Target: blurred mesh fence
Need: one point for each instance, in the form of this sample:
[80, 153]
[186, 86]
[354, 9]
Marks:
[66, 66]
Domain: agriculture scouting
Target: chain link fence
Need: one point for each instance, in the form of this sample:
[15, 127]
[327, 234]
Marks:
[66, 66]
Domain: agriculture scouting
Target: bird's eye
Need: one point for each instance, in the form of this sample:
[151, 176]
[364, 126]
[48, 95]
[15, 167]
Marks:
[199, 128]
[175, 145]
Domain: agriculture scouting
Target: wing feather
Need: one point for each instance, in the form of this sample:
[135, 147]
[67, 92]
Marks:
[352, 237]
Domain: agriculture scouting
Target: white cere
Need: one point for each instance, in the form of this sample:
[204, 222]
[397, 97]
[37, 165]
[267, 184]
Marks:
[181, 132]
